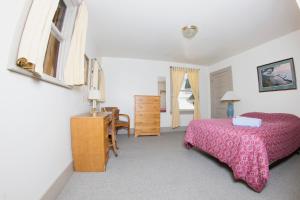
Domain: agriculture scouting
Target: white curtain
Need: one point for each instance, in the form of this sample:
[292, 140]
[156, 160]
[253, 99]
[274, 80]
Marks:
[36, 32]
[74, 69]
[94, 74]
[97, 79]
[102, 85]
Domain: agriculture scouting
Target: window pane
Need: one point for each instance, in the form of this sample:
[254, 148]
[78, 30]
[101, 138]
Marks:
[185, 102]
[186, 97]
[59, 16]
[51, 57]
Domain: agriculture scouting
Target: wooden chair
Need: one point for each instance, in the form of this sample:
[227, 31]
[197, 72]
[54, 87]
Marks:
[113, 131]
[119, 123]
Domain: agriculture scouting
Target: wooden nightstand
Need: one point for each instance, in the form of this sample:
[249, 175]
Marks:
[90, 142]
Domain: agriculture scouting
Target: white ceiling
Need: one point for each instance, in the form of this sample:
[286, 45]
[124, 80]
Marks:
[151, 29]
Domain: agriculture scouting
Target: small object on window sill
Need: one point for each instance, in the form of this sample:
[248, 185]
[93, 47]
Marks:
[24, 64]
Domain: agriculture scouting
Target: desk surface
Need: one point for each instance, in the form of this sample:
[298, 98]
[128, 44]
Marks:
[99, 114]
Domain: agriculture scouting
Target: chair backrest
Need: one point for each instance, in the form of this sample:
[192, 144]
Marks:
[110, 110]
[115, 114]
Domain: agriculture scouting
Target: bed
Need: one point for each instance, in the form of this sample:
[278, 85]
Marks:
[247, 151]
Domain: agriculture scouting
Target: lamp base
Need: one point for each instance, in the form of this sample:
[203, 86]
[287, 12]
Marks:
[230, 110]
[94, 114]
[94, 109]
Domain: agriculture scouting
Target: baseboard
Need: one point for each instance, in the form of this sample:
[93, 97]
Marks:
[172, 130]
[58, 185]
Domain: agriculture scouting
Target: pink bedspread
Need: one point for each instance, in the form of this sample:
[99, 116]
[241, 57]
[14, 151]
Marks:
[247, 151]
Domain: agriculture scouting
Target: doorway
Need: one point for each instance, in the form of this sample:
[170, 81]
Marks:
[220, 82]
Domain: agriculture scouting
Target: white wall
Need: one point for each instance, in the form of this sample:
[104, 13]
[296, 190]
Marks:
[245, 82]
[35, 129]
[128, 77]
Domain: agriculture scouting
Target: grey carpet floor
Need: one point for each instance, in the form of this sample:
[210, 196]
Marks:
[160, 168]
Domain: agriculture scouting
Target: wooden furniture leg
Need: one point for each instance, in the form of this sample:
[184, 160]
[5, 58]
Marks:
[128, 127]
[114, 143]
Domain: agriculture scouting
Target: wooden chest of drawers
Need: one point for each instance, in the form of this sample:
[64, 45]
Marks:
[90, 142]
[147, 115]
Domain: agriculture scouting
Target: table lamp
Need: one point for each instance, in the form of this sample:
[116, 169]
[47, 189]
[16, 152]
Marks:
[94, 96]
[230, 97]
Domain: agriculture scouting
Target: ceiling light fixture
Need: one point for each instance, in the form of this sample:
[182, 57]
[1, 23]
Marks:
[298, 2]
[189, 31]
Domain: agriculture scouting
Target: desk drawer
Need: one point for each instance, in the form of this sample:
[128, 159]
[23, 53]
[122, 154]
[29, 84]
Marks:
[139, 130]
[154, 108]
[146, 124]
[147, 100]
[147, 115]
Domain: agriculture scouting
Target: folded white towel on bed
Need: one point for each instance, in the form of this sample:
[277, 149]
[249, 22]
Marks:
[246, 121]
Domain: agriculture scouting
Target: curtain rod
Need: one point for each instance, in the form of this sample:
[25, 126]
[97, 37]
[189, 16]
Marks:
[185, 68]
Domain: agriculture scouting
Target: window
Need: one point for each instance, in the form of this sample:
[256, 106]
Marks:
[186, 97]
[55, 45]
[59, 15]
[56, 53]
[51, 57]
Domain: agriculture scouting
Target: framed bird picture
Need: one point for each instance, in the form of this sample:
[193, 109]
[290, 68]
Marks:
[276, 76]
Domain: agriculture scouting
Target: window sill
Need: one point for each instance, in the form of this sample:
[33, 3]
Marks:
[43, 77]
[186, 111]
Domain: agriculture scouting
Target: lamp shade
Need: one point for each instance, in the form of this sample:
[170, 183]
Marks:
[298, 2]
[229, 96]
[94, 95]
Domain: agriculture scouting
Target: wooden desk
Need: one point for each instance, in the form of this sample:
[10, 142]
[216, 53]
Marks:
[90, 142]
